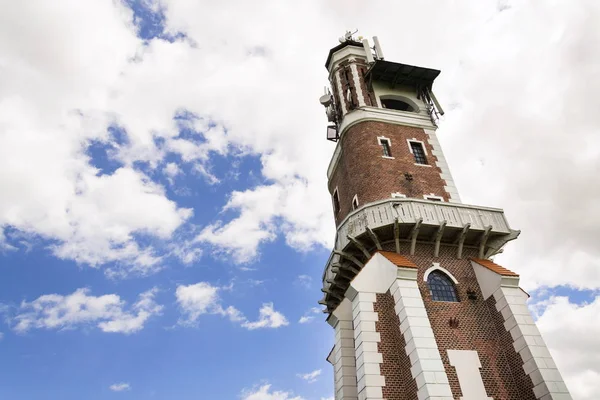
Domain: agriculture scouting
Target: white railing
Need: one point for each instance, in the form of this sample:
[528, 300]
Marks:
[409, 211]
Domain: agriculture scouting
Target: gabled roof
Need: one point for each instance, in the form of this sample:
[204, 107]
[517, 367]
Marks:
[494, 267]
[397, 259]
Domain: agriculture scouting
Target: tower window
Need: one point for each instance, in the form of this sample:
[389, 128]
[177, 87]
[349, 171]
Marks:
[441, 287]
[355, 202]
[397, 105]
[419, 152]
[336, 202]
[386, 146]
[433, 198]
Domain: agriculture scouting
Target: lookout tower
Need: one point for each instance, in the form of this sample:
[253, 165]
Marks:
[418, 308]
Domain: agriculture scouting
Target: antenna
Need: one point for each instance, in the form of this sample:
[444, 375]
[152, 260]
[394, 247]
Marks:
[370, 58]
[378, 51]
[347, 36]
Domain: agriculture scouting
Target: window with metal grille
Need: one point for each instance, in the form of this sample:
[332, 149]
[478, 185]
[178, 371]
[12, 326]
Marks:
[418, 152]
[387, 150]
[336, 202]
[441, 287]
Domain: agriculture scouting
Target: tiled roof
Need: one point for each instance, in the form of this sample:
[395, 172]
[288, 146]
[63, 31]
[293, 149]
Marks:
[494, 267]
[398, 259]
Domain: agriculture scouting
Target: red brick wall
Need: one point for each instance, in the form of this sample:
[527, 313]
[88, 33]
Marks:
[399, 383]
[362, 170]
[480, 327]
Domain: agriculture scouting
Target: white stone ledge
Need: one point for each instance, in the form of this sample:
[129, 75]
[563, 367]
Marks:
[424, 354]
[366, 316]
[412, 312]
[364, 326]
[406, 293]
[414, 322]
[418, 332]
[368, 357]
[344, 334]
[370, 381]
[345, 362]
[370, 393]
[368, 369]
[366, 346]
[347, 392]
[362, 306]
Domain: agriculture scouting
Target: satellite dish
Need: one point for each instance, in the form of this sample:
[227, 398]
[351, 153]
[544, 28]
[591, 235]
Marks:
[325, 100]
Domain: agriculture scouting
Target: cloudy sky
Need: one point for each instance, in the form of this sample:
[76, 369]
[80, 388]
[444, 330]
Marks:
[164, 218]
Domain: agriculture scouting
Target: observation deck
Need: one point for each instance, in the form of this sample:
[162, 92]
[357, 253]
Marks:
[413, 221]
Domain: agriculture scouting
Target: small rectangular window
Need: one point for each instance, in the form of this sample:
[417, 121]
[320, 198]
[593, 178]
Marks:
[433, 198]
[355, 203]
[385, 144]
[418, 152]
[336, 202]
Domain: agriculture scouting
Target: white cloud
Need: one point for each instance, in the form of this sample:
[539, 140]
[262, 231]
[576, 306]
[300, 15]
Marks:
[310, 377]
[328, 398]
[203, 298]
[310, 315]
[304, 280]
[79, 309]
[266, 211]
[264, 392]
[171, 170]
[268, 318]
[247, 95]
[571, 333]
[119, 387]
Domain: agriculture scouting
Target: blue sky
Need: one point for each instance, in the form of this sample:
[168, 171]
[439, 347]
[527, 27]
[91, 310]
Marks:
[164, 217]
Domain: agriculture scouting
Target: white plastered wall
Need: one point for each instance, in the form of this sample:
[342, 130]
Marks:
[378, 276]
[511, 302]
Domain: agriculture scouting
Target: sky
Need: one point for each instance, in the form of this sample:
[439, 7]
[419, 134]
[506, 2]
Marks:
[164, 217]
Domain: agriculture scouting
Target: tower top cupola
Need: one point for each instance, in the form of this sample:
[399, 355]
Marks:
[361, 77]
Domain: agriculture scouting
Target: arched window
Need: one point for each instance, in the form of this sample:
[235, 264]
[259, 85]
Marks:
[441, 287]
[397, 105]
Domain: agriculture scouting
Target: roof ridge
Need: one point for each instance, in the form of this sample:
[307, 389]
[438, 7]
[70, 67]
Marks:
[397, 259]
[492, 266]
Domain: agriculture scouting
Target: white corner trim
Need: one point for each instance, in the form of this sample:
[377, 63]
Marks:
[358, 87]
[442, 165]
[343, 356]
[340, 91]
[427, 367]
[436, 266]
[413, 140]
[538, 363]
[398, 195]
[369, 380]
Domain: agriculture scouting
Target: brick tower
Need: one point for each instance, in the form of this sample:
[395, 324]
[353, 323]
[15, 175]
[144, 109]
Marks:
[419, 310]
